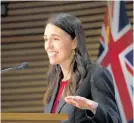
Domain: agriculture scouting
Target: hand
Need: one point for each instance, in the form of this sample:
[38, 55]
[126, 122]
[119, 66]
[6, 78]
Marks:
[82, 103]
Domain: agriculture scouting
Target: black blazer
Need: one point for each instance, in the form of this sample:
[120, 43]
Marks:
[97, 86]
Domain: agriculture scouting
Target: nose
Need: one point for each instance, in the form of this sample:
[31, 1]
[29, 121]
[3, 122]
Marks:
[48, 45]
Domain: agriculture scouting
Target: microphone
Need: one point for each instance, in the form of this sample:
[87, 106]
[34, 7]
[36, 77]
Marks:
[22, 66]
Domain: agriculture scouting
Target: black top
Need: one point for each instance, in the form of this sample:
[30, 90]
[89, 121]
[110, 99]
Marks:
[97, 86]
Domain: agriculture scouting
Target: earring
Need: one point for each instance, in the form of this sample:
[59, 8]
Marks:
[73, 52]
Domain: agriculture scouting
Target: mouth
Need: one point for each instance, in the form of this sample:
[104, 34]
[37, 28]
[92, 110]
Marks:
[52, 54]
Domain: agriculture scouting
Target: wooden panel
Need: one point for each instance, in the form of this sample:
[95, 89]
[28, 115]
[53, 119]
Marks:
[24, 58]
[31, 4]
[72, 7]
[27, 122]
[23, 109]
[21, 103]
[8, 84]
[22, 38]
[33, 117]
[23, 90]
[24, 52]
[24, 78]
[21, 97]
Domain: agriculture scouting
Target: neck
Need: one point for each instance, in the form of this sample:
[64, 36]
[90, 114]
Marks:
[66, 69]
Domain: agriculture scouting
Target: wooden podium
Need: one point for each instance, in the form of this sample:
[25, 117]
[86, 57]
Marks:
[32, 118]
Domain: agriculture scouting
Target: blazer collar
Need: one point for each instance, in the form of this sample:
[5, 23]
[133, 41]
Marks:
[62, 101]
[61, 104]
[53, 97]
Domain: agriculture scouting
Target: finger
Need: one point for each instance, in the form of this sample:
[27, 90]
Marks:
[83, 102]
[69, 97]
[77, 103]
[79, 100]
[76, 98]
[72, 102]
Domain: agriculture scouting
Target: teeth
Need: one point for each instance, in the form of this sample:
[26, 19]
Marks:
[52, 54]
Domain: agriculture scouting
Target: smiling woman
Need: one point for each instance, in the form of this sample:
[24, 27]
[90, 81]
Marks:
[58, 45]
[76, 86]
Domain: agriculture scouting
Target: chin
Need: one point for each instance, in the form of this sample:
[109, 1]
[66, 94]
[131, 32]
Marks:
[53, 62]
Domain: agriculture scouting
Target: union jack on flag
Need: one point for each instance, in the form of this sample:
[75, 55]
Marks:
[116, 54]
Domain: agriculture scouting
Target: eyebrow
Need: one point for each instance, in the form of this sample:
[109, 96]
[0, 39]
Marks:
[52, 35]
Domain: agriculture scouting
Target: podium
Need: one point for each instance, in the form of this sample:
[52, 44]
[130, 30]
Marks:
[32, 118]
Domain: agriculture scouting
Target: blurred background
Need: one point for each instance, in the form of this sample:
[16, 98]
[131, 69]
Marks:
[22, 29]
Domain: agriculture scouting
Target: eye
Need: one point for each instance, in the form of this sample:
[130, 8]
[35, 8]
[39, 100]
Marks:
[56, 39]
[45, 40]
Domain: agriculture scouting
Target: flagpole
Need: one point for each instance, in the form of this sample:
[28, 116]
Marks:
[108, 24]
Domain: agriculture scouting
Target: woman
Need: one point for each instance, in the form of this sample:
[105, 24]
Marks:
[76, 86]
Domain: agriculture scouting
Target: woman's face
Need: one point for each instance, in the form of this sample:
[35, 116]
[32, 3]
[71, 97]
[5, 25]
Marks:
[58, 45]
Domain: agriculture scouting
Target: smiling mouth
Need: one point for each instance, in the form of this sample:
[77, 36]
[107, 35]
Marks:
[52, 54]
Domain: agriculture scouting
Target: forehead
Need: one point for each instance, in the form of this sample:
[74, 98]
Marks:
[52, 29]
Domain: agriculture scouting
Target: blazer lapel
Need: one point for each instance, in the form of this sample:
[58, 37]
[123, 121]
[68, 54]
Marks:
[53, 98]
[61, 104]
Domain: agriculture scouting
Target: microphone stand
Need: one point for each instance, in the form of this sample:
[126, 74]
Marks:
[23, 66]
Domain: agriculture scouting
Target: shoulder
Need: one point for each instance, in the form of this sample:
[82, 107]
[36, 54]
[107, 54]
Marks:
[98, 70]
[101, 78]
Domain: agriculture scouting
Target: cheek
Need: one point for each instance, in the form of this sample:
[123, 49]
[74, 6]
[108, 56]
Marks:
[65, 51]
[45, 46]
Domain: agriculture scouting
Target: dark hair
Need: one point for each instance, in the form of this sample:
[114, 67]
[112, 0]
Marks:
[79, 64]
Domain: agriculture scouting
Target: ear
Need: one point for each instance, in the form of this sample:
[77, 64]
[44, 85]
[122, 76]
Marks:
[74, 43]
